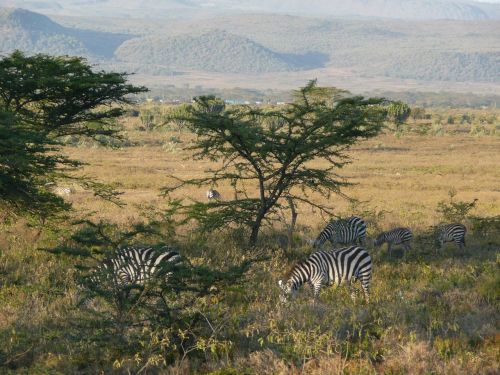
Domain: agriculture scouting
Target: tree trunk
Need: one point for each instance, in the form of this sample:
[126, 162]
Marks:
[260, 215]
[291, 227]
[255, 228]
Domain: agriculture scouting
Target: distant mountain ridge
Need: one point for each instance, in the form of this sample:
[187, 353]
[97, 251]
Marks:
[213, 51]
[253, 44]
[34, 32]
[398, 9]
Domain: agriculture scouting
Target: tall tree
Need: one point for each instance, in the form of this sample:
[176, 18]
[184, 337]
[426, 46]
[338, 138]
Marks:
[399, 113]
[42, 99]
[284, 154]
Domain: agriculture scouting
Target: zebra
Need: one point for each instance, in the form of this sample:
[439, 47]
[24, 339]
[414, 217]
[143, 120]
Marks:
[330, 267]
[133, 266]
[395, 236]
[452, 233]
[350, 230]
[213, 194]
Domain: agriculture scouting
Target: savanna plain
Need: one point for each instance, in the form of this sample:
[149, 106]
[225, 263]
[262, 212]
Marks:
[433, 311]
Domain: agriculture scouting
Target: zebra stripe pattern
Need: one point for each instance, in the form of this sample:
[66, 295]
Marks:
[330, 267]
[452, 233]
[351, 230]
[133, 266]
[397, 236]
[213, 195]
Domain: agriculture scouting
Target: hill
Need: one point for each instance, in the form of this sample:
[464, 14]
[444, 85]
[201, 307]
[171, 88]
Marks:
[396, 9]
[426, 51]
[34, 32]
[273, 49]
[214, 51]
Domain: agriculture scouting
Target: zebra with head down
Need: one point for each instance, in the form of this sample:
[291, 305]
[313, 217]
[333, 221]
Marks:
[338, 266]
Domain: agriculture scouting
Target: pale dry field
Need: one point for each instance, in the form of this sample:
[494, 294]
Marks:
[346, 78]
[405, 176]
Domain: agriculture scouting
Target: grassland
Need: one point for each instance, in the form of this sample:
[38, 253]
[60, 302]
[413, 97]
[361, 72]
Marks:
[432, 313]
[405, 175]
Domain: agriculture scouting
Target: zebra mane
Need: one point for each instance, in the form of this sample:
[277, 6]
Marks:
[289, 274]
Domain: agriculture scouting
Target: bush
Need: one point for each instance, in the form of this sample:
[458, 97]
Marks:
[455, 211]
[154, 323]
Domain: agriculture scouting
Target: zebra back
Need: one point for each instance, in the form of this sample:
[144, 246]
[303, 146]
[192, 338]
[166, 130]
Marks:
[330, 267]
[134, 265]
[394, 236]
[343, 231]
[452, 233]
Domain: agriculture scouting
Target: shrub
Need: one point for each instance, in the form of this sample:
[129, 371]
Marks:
[455, 211]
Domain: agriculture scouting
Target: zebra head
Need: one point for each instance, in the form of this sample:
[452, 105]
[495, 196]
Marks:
[285, 291]
[379, 240]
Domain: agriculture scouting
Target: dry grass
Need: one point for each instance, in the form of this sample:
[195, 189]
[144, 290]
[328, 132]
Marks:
[431, 313]
[405, 176]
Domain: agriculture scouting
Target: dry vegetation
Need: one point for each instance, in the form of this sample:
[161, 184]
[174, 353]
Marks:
[405, 175]
[434, 312]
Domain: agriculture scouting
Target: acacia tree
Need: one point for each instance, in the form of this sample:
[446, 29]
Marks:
[272, 151]
[398, 112]
[42, 99]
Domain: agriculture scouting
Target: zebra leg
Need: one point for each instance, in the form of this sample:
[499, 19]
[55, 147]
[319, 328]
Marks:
[406, 247]
[365, 284]
[316, 288]
[353, 290]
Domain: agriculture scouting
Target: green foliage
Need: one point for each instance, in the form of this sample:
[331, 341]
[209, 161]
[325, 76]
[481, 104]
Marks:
[273, 147]
[486, 226]
[398, 113]
[26, 166]
[455, 211]
[176, 115]
[42, 100]
[154, 323]
[148, 117]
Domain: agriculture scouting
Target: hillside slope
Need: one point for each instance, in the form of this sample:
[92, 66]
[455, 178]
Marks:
[431, 50]
[397, 9]
[34, 32]
[424, 51]
[214, 51]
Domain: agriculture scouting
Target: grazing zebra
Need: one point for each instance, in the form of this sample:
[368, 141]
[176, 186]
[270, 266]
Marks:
[344, 231]
[452, 233]
[213, 194]
[133, 266]
[330, 267]
[395, 236]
